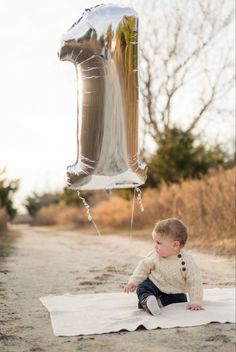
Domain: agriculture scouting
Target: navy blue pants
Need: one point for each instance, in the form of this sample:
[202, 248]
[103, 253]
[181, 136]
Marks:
[147, 288]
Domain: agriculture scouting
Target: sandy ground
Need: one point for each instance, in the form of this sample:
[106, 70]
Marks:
[40, 261]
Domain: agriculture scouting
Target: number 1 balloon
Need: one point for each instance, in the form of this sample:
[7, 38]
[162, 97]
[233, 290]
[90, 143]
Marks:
[103, 46]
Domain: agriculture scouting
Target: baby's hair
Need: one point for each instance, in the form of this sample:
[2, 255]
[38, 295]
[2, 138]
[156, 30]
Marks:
[174, 228]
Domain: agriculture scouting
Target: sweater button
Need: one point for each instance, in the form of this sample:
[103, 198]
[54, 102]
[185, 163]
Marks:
[183, 269]
[179, 255]
[182, 263]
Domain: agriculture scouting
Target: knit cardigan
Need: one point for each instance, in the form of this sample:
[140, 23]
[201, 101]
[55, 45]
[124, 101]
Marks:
[173, 274]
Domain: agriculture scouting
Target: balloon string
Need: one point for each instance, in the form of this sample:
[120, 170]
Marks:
[132, 217]
[90, 218]
[139, 198]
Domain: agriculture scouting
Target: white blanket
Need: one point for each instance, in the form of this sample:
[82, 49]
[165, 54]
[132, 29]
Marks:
[99, 313]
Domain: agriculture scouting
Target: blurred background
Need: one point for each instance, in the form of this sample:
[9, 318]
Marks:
[186, 111]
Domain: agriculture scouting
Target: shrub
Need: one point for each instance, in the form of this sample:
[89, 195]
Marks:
[178, 158]
[7, 190]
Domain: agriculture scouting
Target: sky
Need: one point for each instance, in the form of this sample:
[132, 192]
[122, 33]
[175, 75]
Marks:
[38, 93]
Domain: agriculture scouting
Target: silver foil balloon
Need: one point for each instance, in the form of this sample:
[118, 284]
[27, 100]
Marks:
[103, 46]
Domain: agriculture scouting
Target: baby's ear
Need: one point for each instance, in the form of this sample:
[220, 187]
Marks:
[176, 244]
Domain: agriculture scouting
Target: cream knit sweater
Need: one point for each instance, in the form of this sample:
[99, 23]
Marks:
[174, 274]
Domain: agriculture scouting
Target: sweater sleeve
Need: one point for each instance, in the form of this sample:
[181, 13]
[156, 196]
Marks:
[143, 269]
[194, 283]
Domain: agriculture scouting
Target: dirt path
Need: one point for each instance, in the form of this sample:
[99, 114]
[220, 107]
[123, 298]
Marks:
[42, 262]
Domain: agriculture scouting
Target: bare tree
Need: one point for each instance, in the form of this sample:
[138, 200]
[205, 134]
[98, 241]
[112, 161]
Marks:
[186, 48]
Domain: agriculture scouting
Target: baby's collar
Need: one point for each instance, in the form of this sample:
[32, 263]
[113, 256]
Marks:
[180, 254]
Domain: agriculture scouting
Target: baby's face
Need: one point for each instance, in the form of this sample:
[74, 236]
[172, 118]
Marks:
[165, 246]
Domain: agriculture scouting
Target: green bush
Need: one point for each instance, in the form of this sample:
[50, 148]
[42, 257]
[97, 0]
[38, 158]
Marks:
[7, 190]
[179, 157]
[35, 202]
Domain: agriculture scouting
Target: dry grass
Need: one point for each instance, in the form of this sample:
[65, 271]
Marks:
[3, 220]
[113, 213]
[60, 214]
[207, 206]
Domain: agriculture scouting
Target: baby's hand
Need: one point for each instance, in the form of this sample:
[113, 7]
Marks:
[129, 287]
[194, 307]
